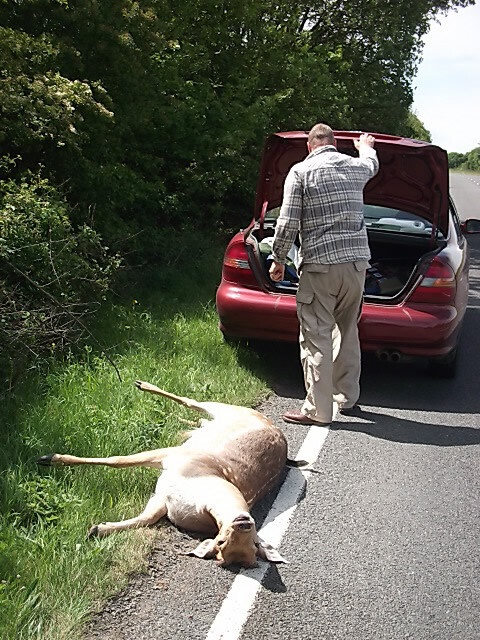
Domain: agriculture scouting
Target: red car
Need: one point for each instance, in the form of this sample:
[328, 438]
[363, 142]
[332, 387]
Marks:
[417, 287]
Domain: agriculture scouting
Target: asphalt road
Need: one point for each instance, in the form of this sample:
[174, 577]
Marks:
[384, 543]
[465, 191]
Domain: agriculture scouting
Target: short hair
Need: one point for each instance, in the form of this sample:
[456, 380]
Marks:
[320, 134]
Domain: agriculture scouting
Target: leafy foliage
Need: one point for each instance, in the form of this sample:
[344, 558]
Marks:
[413, 127]
[455, 159]
[50, 274]
[469, 160]
[472, 159]
[155, 112]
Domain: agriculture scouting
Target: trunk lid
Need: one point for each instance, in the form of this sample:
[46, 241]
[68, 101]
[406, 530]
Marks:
[413, 175]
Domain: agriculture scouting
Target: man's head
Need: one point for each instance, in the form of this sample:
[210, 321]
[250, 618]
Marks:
[320, 135]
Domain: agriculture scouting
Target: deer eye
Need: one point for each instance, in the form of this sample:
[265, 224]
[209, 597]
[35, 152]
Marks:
[220, 542]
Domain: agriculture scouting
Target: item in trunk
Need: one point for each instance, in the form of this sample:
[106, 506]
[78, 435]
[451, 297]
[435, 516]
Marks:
[373, 277]
[385, 279]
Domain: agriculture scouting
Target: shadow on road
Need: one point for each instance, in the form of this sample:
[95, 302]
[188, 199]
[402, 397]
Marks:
[396, 429]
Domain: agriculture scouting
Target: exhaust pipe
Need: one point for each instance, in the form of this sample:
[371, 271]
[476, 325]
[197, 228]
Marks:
[383, 356]
[386, 355]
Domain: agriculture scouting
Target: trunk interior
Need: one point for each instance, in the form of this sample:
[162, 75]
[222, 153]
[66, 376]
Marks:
[395, 262]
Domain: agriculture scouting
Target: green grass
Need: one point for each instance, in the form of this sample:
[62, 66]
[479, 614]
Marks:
[467, 171]
[164, 332]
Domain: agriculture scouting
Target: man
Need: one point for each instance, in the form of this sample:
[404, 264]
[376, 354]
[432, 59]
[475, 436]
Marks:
[323, 201]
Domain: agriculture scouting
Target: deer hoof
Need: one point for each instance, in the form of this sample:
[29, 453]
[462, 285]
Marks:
[93, 533]
[46, 461]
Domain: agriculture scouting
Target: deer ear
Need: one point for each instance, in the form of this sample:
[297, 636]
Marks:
[205, 549]
[266, 552]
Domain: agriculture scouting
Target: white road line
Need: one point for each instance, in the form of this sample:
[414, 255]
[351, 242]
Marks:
[239, 600]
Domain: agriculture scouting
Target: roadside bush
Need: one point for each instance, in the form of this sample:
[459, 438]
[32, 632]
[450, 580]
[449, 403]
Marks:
[469, 161]
[52, 276]
[472, 160]
[455, 159]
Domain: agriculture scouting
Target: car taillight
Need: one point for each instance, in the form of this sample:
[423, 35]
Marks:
[236, 267]
[437, 284]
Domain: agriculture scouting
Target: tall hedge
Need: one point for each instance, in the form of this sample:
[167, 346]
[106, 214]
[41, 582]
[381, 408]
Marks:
[153, 113]
[52, 276]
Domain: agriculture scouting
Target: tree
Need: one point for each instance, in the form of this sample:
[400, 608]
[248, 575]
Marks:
[472, 159]
[379, 42]
[413, 127]
[153, 114]
[469, 160]
[455, 159]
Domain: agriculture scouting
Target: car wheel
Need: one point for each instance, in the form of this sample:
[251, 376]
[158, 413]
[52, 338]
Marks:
[444, 366]
[232, 341]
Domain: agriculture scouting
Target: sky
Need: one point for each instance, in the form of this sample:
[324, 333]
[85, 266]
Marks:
[447, 85]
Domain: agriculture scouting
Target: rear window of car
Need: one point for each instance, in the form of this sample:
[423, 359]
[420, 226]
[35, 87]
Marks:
[396, 220]
[383, 219]
[272, 214]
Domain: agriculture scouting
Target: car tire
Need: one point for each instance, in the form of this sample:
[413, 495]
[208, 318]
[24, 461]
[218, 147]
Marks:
[444, 366]
[232, 341]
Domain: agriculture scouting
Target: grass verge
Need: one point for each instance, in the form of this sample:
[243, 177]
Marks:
[165, 332]
[470, 172]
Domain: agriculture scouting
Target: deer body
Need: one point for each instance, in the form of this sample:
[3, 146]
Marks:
[210, 482]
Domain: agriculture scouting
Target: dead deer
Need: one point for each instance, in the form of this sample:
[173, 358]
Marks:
[210, 482]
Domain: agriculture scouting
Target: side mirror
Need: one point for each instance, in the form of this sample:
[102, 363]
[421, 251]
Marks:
[471, 226]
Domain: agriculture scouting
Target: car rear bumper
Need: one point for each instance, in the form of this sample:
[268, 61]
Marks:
[249, 313]
[415, 330]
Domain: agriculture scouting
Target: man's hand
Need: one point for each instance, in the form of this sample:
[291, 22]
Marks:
[277, 271]
[364, 139]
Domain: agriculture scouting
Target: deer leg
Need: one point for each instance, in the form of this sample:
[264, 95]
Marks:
[187, 402]
[156, 508]
[152, 458]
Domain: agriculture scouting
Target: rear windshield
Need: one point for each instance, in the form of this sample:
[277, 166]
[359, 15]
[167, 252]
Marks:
[396, 220]
[384, 219]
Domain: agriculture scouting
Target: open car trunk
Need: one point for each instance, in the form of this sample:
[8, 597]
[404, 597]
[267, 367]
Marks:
[406, 210]
[395, 263]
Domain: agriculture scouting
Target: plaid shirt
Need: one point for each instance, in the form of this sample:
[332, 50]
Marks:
[323, 200]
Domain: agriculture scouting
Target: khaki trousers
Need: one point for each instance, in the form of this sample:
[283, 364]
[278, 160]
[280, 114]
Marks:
[329, 300]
